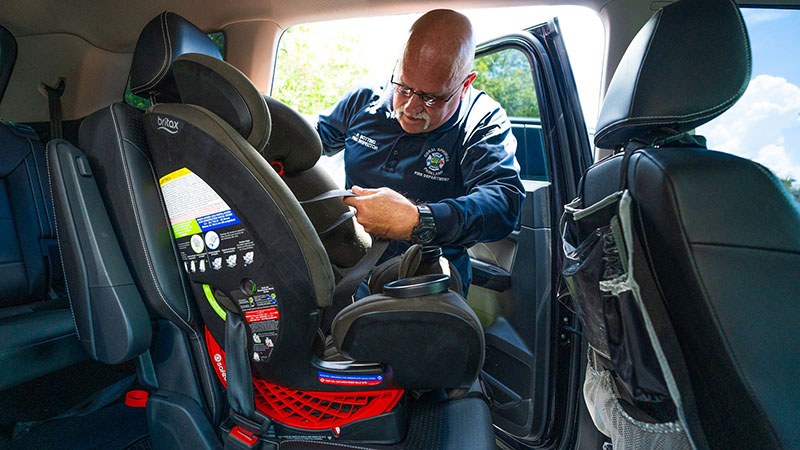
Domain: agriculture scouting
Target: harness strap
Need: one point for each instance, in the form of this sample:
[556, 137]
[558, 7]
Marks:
[349, 283]
[333, 193]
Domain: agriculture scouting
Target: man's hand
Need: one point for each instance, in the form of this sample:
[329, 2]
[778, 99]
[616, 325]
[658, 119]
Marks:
[384, 212]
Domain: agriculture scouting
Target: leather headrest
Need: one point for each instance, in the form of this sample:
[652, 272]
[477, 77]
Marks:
[294, 142]
[688, 64]
[161, 42]
[220, 88]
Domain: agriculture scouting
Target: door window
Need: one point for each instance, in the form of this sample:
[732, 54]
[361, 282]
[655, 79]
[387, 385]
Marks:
[764, 125]
[506, 75]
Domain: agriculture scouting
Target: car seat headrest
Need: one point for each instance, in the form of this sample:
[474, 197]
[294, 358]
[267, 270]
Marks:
[688, 64]
[220, 88]
[161, 42]
[294, 142]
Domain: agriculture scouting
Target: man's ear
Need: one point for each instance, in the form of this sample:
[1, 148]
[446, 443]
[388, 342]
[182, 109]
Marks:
[468, 82]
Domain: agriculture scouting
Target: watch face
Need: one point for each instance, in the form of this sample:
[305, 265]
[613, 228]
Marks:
[425, 236]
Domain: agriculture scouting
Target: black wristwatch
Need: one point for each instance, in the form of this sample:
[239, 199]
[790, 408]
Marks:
[425, 230]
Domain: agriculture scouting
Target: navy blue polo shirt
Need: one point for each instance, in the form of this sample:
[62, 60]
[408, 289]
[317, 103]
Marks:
[464, 170]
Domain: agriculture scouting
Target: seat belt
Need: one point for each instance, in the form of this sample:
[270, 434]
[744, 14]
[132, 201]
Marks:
[245, 429]
[348, 285]
[54, 94]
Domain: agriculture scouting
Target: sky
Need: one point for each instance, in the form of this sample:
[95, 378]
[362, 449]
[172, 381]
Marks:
[764, 125]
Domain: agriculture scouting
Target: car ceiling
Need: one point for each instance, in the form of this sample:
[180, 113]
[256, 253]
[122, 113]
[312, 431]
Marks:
[114, 25]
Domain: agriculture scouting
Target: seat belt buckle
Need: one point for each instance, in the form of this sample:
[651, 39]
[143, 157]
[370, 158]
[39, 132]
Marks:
[245, 434]
[246, 440]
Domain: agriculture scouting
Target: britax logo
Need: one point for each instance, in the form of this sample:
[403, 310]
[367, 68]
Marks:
[220, 367]
[167, 124]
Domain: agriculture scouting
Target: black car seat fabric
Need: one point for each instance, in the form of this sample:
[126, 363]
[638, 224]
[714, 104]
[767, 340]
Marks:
[160, 43]
[115, 145]
[287, 260]
[714, 238]
[37, 332]
[283, 138]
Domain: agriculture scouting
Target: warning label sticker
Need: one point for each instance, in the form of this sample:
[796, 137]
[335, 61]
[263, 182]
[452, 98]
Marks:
[210, 236]
[260, 315]
[349, 380]
[192, 204]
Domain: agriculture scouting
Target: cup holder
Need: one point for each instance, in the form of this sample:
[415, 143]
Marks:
[418, 286]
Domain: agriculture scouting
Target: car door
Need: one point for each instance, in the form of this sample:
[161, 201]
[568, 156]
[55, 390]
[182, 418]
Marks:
[532, 359]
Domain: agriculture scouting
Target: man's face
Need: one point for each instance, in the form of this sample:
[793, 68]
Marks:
[412, 113]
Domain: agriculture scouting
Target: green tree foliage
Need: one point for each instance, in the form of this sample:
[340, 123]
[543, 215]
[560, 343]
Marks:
[506, 77]
[794, 188]
[312, 76]
[219, 40]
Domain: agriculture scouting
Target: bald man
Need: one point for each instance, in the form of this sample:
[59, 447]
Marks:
[430, 158]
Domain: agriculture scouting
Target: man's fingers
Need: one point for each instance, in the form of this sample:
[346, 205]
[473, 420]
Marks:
[358, 190]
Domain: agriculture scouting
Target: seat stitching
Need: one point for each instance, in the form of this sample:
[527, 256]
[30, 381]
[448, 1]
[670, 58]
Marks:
[41, 187]
[204, 357]
[58, 242]
[33, 195]
[137, 220]
[167, 53]
[691, 116]
[174, 253]
[666, 119]
[144, 247]
[689, 249]
[203, 360]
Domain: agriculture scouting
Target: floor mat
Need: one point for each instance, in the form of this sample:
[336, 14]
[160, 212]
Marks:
[433, 425]
[114, 427]
[145, 443]
[52, 394]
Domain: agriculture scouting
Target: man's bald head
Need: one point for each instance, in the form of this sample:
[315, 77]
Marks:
[441, 40]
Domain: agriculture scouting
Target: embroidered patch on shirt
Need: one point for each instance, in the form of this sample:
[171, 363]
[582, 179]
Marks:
[364, 140]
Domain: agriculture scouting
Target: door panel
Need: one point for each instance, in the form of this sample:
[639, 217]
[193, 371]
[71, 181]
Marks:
[528, 359]
[516, 320]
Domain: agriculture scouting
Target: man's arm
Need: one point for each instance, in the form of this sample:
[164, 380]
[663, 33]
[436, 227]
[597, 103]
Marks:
[493, 203]
[488, 212]
[333, 124]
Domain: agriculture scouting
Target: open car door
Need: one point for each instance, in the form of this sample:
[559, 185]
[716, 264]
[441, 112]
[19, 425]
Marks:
[532, 368]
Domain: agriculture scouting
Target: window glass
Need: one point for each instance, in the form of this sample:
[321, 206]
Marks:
[764, 125]
[143, 103]
[506, 75]
[317, 63]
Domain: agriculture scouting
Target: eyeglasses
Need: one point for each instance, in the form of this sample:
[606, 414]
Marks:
[430, 100]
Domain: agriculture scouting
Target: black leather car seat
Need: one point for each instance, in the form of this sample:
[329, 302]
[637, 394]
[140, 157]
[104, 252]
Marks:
[110, 197]
[712, 241]
[37, 332]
